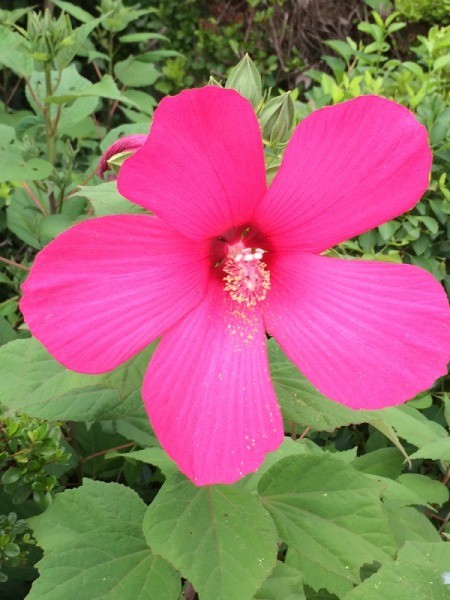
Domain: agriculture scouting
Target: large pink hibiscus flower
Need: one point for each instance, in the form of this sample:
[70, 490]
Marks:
[225, 260]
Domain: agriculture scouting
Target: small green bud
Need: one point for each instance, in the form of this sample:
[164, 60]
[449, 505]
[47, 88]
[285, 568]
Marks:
[277, 119]
[214, 82]
[245, 79]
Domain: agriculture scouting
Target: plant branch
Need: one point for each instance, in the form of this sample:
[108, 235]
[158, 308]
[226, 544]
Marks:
[102, 452]
[13, 263]
[33, 196]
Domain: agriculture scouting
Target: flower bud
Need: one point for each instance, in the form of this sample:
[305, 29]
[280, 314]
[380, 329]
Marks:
[277, 119]
[245, 79]
[114, 156]
[47, 36]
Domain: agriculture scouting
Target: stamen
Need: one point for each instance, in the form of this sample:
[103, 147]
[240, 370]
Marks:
[247, 278]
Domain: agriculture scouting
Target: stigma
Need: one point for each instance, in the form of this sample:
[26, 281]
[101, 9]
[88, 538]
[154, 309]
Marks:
[247, 278]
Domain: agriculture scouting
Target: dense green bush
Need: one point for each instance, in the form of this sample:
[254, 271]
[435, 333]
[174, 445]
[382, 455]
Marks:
[424, 10]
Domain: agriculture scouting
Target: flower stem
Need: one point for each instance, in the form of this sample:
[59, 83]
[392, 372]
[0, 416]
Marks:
[51, 142]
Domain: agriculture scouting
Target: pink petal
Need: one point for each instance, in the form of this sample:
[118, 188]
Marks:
[366, 334]
[202, 167]
[208, 392]
[347, 169]
[106, 288]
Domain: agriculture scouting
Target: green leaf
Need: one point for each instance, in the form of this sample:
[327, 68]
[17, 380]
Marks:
[13, 167]
[74, 11]
[156, 457]
[411, 425]
[143, 36]
[420, 571]
[106, 88]
[33, 382]
[135, 73]
[14, 54]
[331, 517]
[219, 537]
[52, 225]
[441, 62]
[106, 200]
[386, 462]
[430, 490]
[437, 450]
[94, 548]
[23, 218]
[284, 583]
[341, 48]
[144, 102]
[289, 447]
[72, 115]
[302, 403]
[7, 333]
[11, 550]
[409, 524]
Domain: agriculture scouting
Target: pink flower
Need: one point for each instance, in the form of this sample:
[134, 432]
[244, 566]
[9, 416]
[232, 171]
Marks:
[226, 260]
[128, 143]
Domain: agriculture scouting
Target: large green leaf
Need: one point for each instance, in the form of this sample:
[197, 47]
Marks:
[33, 382]
[94, 548]
[218, 537]
[409, 524]
[289, 447]
[411, 425]
[75, 113]
[24, 218]
[386, 462]
[421, 571]
[302, 403]
[284, 583]
[135, 73]
[331, 517]
[13, 167]
[14, 54]
[106, 200]
[436, 450]
[430, 490]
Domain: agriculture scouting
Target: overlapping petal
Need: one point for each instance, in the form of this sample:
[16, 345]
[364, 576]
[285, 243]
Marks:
[347, 169]
[106, 288]
[366, 334]
[208, 392]
[202, 167]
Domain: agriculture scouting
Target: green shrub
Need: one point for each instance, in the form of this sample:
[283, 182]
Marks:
[434, 11]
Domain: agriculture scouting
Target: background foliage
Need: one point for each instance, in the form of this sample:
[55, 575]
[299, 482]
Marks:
[354, 504]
